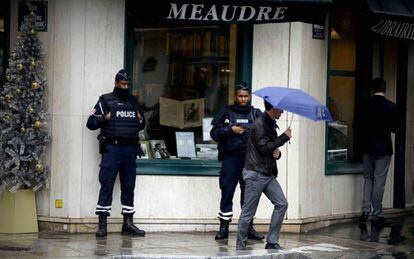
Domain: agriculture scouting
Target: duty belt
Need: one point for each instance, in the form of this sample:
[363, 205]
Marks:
[122, 142]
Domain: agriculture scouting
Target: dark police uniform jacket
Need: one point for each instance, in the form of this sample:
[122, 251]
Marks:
[228, 141]
[124, 124]
[263, 140]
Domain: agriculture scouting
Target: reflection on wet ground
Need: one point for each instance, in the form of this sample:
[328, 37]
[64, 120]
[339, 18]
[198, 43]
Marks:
[350, 240]
[395, 241]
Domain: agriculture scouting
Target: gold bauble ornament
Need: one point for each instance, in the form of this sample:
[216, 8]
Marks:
[38, 124]
[7, 117]
[8, 97]
[30, 109]
[20, 67]
[22, 129]
[35, 85]
[18, 91]
[32, 31]
[39, 167]
[8, 78]
[13, 55]
[32, 63]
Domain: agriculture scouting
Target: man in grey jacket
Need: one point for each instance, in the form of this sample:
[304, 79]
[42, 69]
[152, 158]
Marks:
[260, 170]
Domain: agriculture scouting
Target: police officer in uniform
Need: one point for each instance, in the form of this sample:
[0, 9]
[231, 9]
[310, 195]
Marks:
[230, 129]
[120, 118]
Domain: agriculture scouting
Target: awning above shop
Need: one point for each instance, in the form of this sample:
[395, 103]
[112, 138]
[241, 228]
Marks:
[185, 12]
[393, 18]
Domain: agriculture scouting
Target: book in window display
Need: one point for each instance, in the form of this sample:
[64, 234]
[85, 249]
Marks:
[207, 151]
[181, 114]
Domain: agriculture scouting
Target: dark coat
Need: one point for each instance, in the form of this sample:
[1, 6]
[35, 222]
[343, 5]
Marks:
[379, 118]
[262, 142]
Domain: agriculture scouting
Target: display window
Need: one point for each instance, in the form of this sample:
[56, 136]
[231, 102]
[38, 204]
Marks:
[182, 76]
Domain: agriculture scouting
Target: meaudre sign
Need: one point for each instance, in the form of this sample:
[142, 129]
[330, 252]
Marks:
[189, 12]
[225, 13]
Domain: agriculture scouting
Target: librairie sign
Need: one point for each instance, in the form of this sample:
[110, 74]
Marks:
[397, 29]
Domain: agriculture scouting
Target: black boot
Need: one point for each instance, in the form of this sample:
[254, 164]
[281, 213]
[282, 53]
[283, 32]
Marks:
[101, 232]
[128, 227]
[223, 232]
[364, 217]
[253, 234]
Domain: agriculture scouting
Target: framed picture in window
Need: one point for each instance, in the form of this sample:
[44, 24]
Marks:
[146, 150]
[185, 144]
[159, 149]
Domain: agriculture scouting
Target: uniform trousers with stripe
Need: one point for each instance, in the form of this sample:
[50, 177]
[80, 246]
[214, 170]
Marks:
[230, 176]
[117, 159]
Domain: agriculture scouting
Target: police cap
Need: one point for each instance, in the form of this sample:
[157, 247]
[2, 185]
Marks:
[242, 86]
[122, 75]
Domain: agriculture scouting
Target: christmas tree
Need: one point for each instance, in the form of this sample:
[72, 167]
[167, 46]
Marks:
[23, 130]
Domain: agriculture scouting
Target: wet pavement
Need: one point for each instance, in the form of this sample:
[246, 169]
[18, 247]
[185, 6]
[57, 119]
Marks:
[348, 240]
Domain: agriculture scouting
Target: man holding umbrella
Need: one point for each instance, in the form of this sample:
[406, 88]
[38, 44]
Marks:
[259, 174]
[260, 168]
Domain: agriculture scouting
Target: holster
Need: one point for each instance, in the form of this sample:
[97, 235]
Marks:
[220, 156]
[102, 144]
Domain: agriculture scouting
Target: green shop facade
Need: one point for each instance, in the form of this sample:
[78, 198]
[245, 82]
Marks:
[185, 58]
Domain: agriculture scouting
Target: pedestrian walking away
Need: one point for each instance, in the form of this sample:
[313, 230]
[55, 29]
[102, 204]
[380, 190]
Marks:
[119, 118]
[231, 127]
[259, 175]
[378, 120]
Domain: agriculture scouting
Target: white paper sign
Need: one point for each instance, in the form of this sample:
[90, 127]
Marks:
[185, 144]
[207, 128]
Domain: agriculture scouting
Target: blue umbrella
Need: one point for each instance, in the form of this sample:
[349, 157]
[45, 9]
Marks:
[295, 101]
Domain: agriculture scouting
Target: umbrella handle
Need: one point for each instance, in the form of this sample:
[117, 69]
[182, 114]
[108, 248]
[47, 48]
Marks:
[291, 120]
[290, 123]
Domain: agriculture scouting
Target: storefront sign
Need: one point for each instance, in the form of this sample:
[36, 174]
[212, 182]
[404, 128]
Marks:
[39, 7]
[227, 12]
[318, 31]
[397, 29]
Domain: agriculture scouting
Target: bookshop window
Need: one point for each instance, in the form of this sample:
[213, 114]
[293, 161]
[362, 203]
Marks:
[342, 62]
[182, 77]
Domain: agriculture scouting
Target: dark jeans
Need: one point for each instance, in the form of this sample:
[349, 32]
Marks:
[122, 159]
[230, 175]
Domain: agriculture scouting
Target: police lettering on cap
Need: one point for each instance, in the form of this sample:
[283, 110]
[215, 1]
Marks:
[242, 86]
[122, 75]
